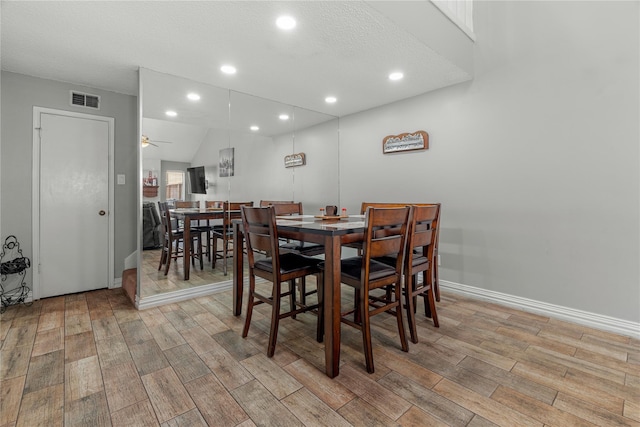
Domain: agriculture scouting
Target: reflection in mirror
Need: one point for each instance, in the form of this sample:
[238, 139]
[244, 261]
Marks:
[260, 172]
[241, 141]
[171, 146]
[316, 184]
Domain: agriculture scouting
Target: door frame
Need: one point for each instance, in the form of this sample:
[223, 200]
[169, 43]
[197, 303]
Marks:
[35, 194]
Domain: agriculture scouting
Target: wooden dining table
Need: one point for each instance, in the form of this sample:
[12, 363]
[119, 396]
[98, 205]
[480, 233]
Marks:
[333, 234]
[196, 214]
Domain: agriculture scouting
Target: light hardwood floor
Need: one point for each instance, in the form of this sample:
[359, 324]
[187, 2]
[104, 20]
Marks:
[92, 359]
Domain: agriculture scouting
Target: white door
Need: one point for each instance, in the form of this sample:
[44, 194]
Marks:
[73, 203]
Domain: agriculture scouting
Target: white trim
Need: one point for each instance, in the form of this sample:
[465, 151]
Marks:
[183, 294]
[35, 193]
[592, 320]
[117, 283]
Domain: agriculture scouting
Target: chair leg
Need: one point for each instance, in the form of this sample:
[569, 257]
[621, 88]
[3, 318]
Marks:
[357, 317]
[292, 296]
[250, 304]
[163, 257]
[225, 244]
[430, 300]
[436, 282]
[275, 320]
[410, 301]
[169, 256]
[303, 291]
[215, 252]
[200, 251]
[401, 332]
[366, 328]
[320, 326]
[208, 245]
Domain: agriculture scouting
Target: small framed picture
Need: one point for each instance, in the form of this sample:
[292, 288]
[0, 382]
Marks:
[225, 165]
[418, 140]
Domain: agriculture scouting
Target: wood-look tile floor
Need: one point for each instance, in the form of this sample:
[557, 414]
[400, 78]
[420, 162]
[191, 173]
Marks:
[92, 359]
[154, 281]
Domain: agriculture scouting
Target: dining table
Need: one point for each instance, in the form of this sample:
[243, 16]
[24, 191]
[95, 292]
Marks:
[333, 233]
[196, 214]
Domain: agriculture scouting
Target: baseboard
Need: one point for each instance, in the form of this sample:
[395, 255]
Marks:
[592, 320]
[117, 283]
[183, 294]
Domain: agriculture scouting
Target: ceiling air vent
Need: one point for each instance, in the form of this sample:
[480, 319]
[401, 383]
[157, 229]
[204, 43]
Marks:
[85, 100]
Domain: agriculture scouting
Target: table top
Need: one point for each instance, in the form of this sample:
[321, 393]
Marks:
[195, 210]
[313, 225]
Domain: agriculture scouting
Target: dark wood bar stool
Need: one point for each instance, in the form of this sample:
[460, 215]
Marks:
[385, 235]
[419, 258]
[261, 236]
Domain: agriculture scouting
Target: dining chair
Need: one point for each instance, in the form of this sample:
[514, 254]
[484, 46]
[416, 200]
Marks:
[230, 211]
[297, 246]
[385, 235]
[172, 239]
[436, 282]
[261, 235]
[421, 242]
[303, 248]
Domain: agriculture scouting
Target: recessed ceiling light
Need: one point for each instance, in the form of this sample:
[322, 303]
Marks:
[286, 23]
[171, 113]
[254, 128]
[330, 99]
[396, 76]
[283, 117]
[193, 96]
[228, 69]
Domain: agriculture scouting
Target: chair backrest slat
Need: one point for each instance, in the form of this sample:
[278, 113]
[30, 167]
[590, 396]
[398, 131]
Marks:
[260, 233]
[186, 204]
[265, 203]
[385, 235]
[423, 224]
[287, 208]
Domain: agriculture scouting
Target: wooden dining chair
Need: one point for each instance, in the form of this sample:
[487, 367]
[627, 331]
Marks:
[230, 211]
[303, 248]
[297, 246]
[421, 242]
[261, 235]
[436, 283]
[385, 235]
[172, 240]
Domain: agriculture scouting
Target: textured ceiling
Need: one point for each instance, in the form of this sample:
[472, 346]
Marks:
[346, 49]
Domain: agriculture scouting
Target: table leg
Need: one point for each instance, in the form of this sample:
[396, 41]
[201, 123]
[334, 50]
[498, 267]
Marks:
[186, 246]
[238, 269]
[332, 305]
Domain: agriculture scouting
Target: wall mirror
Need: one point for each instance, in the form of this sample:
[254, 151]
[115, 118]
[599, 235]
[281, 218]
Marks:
[241, 141]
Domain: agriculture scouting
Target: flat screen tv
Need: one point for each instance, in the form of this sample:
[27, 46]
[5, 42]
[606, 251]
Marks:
[197, 180]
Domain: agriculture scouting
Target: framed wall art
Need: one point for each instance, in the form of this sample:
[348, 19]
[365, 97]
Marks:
[292, 160]
[225, 164]
[418, 140]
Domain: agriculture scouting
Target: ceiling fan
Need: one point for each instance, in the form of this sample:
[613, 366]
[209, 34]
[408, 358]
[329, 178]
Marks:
[146, 141]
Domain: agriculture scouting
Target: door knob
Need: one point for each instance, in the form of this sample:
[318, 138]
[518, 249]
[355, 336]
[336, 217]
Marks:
[101, 213]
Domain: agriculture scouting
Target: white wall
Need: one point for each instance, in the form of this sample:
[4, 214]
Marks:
[20, 94]
[536, 161]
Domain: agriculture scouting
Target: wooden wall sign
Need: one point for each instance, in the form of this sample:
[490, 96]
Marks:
[292, 160]
[418, 140]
